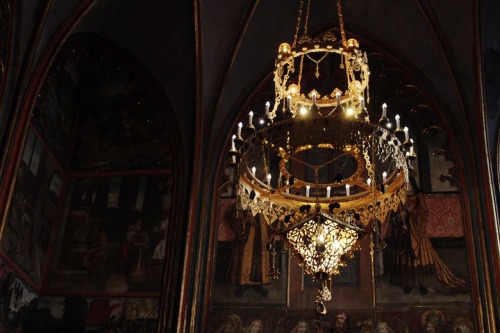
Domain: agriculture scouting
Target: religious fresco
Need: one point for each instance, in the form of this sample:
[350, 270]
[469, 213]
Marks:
[97, 171]
[23, 310]
[423, 256]
[113, 236]
[429, 320]
[243, 274]
[119, 120]
[56, 109]
[26, 234]
[443, 172]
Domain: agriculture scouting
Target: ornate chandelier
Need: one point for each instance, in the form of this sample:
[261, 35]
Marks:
[313, 164]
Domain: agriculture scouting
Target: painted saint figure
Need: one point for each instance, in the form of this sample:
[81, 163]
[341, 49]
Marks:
[383, 327]
[339, 324]
[433, 321]
[250, 261]
[96, 247]
[256, 326]
[301, 327]
[415, 262]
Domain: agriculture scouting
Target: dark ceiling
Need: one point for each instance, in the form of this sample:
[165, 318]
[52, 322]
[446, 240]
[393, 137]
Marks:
[209, 57]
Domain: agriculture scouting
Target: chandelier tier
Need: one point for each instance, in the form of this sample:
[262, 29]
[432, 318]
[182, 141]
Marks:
[317, 147]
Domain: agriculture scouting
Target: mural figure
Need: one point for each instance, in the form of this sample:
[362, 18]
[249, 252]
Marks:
[256, 326]
[250, 262]
[159, 233]
[96, 249]
[339, 324]
[231, 323]
[462, 325]
[432, 321]
[301, 327]
[131, 249]
[383, 327]
[415, 262]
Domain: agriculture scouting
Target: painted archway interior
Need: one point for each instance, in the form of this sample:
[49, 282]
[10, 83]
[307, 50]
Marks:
[91, 207]
[369, 288]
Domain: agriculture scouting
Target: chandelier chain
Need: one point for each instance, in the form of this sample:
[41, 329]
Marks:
[297, 25]
[306, 23]
[301, 67]
[341, 23]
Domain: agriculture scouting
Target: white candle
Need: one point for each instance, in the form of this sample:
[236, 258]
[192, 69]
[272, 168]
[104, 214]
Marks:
[287, 190]
[288, 101]
[250, 117]
[240, 125]
[233, 159]
[253, 171]
[411, 147]
[347, 189]
[314, 98]
[362, 102]
[328, 191]
[267, 107]
[269, 179]
[369, 181]
[384, 110]
[233, 147]
[337, 96]
[384, 176]
[407, 134]
[307, 190]
[398, 123]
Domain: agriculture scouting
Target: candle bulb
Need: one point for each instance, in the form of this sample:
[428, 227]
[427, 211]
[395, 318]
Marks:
[269, 180]
[398, 122]
[362, 102]
[337, 96]
[288, 101]
[384, 110]
[314, 98]
[411, 147]
[240, 125]
[267, 108]
[384, 176]
[254, 169]
[287, 190]
[307, 190]
[328, 191]
[347, 190]
[369, 181]
[321, 239]
[407, 134]
[250, 117]
[233, 147]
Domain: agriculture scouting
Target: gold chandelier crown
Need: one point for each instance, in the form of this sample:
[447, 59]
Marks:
[317, 146]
